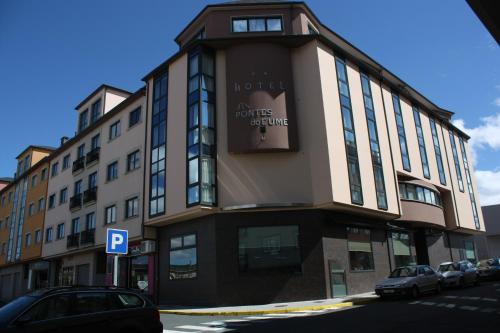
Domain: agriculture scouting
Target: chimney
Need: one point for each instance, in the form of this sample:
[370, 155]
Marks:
[64, 139]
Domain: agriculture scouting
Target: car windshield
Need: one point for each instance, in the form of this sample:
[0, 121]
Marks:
[12, 309]
[447, 268]
[404, 272]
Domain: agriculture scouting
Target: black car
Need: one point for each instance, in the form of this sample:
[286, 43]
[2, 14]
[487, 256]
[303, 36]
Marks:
[81, 309]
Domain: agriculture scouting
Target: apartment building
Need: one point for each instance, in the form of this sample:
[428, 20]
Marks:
[96, 182]
[22, 211]
[283, 163]
[488, 243]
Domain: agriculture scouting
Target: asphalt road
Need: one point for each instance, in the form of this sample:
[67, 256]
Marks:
[472, 309]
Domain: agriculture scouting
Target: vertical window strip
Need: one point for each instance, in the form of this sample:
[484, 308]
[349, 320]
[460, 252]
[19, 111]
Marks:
[456, 161]
[158, 146]
[12, 226]
[437, 151]
[378, 171]
[201, 131]
[401, 132]
[469, 184]
[421, 143]
[21, 220]
[349, 134]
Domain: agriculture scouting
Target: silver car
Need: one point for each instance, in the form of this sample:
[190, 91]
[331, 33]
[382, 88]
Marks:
[458, 274]
[409, 281]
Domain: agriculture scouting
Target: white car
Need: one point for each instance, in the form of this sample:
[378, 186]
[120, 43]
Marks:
[409, 281]
[458, 274]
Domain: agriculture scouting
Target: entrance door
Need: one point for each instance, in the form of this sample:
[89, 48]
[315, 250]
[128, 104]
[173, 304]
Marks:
[421, 247]
[83, 275]
[337, 280]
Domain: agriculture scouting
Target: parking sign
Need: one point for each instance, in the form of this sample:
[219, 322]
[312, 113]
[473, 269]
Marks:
[117, 241]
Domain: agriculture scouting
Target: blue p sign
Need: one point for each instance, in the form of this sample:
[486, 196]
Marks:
[117, 241]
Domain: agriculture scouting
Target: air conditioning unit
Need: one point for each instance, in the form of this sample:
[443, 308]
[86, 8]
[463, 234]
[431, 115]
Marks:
[148, 246]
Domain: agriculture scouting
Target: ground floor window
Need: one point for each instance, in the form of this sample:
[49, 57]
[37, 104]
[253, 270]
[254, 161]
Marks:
[401, 249]
[469, 252]
[360, 249]
[268, 248]
[183, 257]
[66, 277]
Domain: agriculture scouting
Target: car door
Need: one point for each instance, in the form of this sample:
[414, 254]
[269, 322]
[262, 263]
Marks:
[127, 311]
[430, 278]
[49, 315]
[90, 312]
[421, 279]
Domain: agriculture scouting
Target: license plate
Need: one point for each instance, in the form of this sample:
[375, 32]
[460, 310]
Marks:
[388, 291]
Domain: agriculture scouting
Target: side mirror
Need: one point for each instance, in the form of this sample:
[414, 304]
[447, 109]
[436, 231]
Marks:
[24, 319]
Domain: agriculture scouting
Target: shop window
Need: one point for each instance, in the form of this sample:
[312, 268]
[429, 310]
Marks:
[469, 252]
[401, 249]
[183, 257]
[66, 278]
[269, 248]
[360, 249]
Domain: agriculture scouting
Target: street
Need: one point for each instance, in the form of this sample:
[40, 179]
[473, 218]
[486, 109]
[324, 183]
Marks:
[459, 310]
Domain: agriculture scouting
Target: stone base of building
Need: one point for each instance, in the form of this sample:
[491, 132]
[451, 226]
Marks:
[18, 279]
[253, 258]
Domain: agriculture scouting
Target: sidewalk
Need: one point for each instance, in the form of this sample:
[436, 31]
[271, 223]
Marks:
[323, 304]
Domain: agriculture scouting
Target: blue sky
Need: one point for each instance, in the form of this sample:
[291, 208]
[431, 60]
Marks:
[53, 53]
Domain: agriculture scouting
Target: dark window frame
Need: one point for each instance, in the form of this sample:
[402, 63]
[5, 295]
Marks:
[437, 151]
[136, 156]
[372, 261]
[456, 161]
[263, 17]
[136, 213]
[398, 113]
[421, 143]
[183, 247]
[114, 130]
[470, 187]
[135, 117]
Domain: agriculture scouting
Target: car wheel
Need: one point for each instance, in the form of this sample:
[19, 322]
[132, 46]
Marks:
[414, 292]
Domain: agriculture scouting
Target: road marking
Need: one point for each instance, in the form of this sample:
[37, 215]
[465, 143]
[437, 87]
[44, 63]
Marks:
[172, 331]
[488, 310]
[469, 308]
[442, 304]
[451, 306]
[310, 311]
[414, 302]
[451, 296]
[236, 321]
[286, 315]
[200, 328]
[490, 299]
[471, 298]
[214, 323]
[428, 303]
[257, 318]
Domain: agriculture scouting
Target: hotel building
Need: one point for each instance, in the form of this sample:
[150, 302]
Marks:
[283, 163]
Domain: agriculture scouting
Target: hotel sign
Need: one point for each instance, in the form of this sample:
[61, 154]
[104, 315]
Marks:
[260, 101]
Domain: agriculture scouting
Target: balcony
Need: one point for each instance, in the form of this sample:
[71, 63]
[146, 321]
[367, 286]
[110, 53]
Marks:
[75, 202]
[93, 155]
[90, 195]
[79, 164]
[87, 237]
[73, 240]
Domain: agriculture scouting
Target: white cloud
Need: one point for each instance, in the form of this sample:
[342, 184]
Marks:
[485, 136]
[488, 183]
[497, 101]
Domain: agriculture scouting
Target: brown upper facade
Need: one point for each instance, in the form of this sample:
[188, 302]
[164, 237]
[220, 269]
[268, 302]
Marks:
[264, 107]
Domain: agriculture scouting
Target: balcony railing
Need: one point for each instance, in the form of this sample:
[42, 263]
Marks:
[75, 201]
[93, 155]
[79, 164]
[73, 240]
[87, 237]
[90, 195]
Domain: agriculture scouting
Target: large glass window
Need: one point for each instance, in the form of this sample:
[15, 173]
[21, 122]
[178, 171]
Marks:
[349, 134]
[470, 252]
[456, 162]
[257, 24]
[134, 117]
[419, 193]
[60, 231]
[401, 132]
[110, 214]
[421, 143]
[269, 248]
[90, 221]
[112, 171]
[66, 161]
[133, 161]
[402, 249]
[469, 183]
[378, 171]
[158, 146]
[114, 130]
[437, 150]
[201, 148]
[132, 207]
[360, 249]
[183, 257]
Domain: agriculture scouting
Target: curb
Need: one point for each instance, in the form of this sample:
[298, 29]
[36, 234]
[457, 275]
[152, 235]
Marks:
[258, 312]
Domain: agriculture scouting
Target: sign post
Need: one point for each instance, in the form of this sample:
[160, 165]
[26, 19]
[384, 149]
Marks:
[116, 243]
